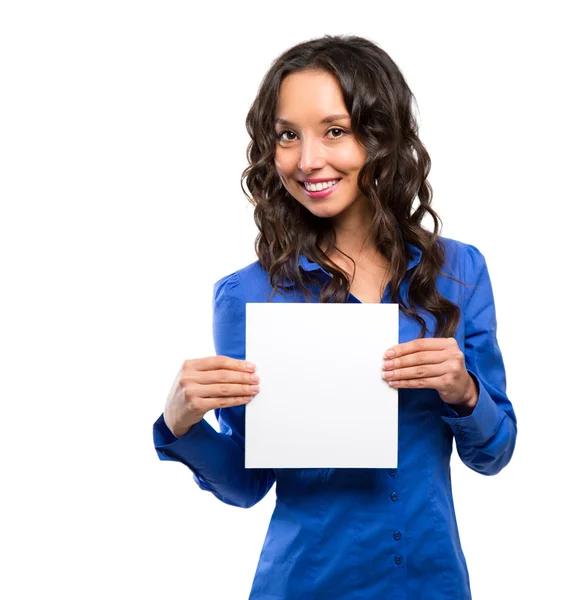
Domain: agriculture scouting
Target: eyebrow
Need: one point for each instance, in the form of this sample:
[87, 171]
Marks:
[328, 119]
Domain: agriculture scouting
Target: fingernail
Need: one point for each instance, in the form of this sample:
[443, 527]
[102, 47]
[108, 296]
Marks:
[389, 353]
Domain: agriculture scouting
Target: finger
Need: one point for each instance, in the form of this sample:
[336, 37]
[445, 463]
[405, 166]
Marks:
[213, 363]
[432, 383]
[419, 345]
[221, 376]
[419, 372]
[417, 358]
[205, 405]
[227, 390]
[229, 402]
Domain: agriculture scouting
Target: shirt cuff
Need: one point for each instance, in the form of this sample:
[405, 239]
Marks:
[186, 448]
[480, 426]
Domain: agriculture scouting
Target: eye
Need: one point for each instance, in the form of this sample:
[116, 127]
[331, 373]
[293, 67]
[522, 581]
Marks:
[334, 134]
[336, 130]
[281, 135]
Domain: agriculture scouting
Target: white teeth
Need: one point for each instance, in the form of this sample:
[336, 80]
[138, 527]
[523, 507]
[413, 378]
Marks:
[318, 187]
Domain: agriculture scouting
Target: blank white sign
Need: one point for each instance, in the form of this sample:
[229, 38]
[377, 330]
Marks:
[322, 401]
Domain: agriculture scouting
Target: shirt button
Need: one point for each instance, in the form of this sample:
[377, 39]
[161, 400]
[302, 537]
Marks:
[461, 436]
[398, 559]
[392, 472]
[397, 535]
[394, 496]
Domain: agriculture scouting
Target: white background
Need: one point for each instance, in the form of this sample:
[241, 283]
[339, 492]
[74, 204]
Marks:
[122, 141]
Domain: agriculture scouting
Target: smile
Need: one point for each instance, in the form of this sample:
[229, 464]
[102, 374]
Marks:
[318, 187]
[320, 190]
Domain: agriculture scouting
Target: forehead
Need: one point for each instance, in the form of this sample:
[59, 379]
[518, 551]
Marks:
[309, 95]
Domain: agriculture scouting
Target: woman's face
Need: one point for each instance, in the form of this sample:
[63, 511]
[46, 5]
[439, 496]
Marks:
[315, 144]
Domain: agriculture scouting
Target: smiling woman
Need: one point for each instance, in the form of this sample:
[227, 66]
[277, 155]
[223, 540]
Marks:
[322, 143]
[317, 144]
[337, 176]
[339, 108]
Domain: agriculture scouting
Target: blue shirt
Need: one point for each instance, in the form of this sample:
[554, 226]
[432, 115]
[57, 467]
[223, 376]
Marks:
[355, 534]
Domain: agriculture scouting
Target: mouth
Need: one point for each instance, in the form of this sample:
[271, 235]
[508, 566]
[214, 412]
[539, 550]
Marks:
[320, 189]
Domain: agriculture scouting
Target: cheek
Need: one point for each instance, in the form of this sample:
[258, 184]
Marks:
[284, 163]
[351, 157]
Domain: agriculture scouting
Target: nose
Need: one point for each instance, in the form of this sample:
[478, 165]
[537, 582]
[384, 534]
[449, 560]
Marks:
[311, 155]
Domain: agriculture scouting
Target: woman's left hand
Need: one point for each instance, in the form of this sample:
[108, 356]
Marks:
[435, 363]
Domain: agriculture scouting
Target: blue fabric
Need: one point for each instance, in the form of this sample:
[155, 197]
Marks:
[363, 533]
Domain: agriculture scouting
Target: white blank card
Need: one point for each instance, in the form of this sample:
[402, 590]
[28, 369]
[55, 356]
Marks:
[322, 401]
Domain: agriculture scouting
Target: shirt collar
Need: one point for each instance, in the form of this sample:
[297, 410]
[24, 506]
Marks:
[415, 254]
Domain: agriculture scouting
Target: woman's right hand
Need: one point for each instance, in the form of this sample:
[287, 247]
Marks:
[203, 384]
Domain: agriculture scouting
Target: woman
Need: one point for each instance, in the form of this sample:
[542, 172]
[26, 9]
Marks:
[335, 168]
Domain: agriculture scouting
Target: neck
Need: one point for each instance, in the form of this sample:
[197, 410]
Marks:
[352, 231]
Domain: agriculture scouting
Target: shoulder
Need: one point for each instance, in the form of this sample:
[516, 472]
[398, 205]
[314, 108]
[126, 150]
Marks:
[458, 250]
[462, 260]
[240, 283]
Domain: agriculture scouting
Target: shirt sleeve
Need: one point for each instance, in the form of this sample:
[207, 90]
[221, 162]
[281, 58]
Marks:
[485, 439]
[217, 458]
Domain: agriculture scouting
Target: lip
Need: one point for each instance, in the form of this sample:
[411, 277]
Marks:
[321, 193]
[319, 180]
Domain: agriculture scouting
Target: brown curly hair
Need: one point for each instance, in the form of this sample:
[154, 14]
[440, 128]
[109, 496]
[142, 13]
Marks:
[379, 102]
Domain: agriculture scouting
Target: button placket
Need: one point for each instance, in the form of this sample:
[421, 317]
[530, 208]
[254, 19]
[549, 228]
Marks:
[397, 543]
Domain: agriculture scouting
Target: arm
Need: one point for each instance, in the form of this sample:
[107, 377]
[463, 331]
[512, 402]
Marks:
[486, 437]
[217, 458]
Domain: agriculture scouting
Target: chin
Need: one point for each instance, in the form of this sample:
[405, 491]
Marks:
[326, 211]
[324, 208]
